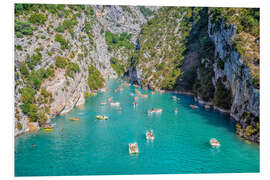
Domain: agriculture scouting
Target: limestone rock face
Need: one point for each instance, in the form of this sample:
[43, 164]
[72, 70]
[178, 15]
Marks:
[68, 92]
[65, 96]
[33, 126]
[245, 98]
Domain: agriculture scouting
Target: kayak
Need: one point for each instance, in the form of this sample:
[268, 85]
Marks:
[46, 129]
[74, 119]
[100, 117]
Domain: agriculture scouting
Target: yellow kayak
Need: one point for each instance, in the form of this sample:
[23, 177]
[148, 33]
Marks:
[46, 129]
[74, 119]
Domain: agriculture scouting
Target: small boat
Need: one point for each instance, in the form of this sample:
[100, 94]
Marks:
[158, 110]
[214, 142]
[103, 89]
[46, 129]
[193, 106]
[206, 106]
[103, 102]
[133, 148]
[152, 92]
[53, 125]
[100, 117]
[176, 110]
[74, 118]
[110, 98]
[126, 84]
[136, 98]
[161, 91]
[115, 103]
[120, 88]
[149, 135]
[143, 95]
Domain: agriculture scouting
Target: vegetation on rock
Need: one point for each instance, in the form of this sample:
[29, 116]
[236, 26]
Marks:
[117, 67]
[246, 41]
[95, 80]
[222, 97]
[118, 40]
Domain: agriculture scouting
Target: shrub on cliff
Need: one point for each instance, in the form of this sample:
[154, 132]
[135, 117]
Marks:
[19, 126]
[60, 29]
[249, 131]
[22, 28]
[34, 60]
[71, 69]
[203, 87]
[118, 40]
[117, 67]
[222, 96]
[23, 69]
[63, 42]
[28, 95]
[95, 79]
[60, 62]
[145, 11]
[37, 18]
[220, 64]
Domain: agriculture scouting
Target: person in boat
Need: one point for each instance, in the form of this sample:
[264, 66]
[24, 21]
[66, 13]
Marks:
[151, 133]
[175, 110]
[134, 147]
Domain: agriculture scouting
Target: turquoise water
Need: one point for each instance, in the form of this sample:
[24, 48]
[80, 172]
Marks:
[93, 147]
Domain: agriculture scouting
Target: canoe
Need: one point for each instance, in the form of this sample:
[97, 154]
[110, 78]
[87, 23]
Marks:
[158, 110]
[100, 117]
[115, 103]
[193, 106]
[143, 95]
[74, 119]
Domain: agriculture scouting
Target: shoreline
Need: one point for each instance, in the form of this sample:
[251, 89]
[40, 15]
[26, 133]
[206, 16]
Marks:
[198, 100]
[201, 102]
[218, 109]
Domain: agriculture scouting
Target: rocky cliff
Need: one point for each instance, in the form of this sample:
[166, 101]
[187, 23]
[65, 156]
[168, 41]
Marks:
[54, 47]
[208, 62]
[245, 99]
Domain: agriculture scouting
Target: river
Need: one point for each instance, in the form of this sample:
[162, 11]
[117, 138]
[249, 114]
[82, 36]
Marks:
[94, 147]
